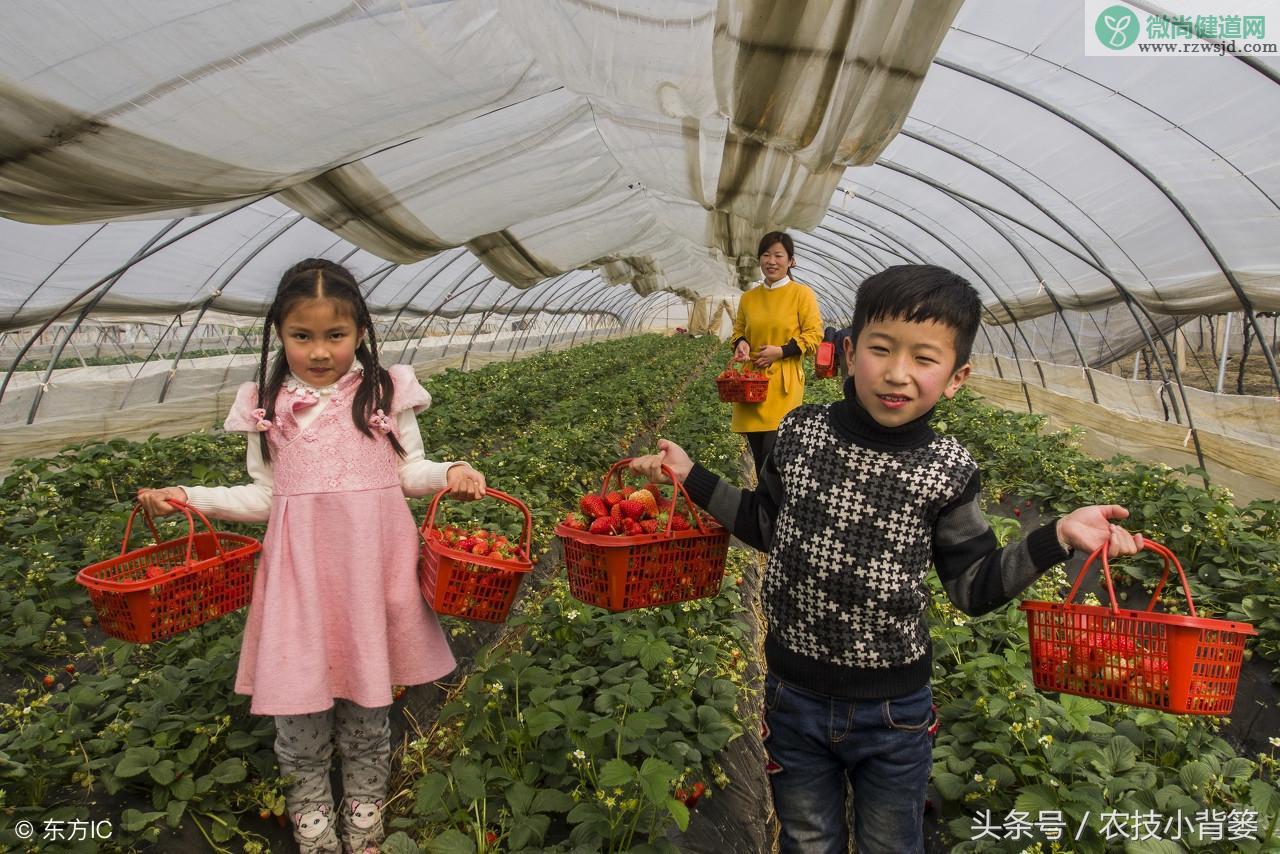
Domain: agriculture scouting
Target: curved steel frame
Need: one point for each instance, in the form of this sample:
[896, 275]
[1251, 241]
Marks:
[1103, 270]
[106, 282]
[920, 259]
[1245, 303]
[217, 292]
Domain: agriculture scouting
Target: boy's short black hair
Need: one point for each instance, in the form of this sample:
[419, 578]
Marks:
[918, 293]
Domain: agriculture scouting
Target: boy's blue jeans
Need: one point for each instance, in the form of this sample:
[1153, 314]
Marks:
[882, 747]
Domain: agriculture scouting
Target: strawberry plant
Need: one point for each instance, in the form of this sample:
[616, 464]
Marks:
[1231, 554]
[585, 733]
[1002, 745]
[603, 726]
[67, 746]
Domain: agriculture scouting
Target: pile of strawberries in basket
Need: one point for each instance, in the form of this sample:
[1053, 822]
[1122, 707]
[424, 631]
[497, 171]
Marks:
[735, 375]
[477, 542]
[161, 570]
[626, 514]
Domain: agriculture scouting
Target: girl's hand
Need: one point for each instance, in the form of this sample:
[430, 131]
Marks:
[1089, 527]
[767, 355]
[465, 482]
[742, 352]
[670, 455]
[156, 501]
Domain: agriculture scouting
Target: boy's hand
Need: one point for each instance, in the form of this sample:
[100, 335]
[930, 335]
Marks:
[465, 482]
[1089, 527]
[670, 455]
[742, 352]
[156, 501]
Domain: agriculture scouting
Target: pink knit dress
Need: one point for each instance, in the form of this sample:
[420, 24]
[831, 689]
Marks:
[336, 610]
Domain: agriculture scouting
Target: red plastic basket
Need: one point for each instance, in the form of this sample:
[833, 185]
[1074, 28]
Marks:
[200, 578]
[740, 389]
[1188, 665]
[620, 573]
[477, 587]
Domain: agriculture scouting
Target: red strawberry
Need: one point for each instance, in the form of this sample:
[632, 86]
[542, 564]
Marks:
[613, 497]
[646, 500]
[49, 681]
[603, 525]
[649, 526]
[694, 794]
[631, 527]
[631, 509]
[575, 521]
[481, 548]
[679, 522]
[593, 506]
[466, 544]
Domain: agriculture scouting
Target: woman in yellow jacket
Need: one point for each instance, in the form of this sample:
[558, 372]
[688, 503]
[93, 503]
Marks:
[776, 324]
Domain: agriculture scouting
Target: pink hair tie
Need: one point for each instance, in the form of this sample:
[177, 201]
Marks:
[380, 421]
[261, 415]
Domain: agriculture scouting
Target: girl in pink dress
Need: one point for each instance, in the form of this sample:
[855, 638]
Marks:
[336, 618]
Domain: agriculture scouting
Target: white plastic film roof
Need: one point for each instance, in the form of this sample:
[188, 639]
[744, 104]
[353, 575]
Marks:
[576, 156]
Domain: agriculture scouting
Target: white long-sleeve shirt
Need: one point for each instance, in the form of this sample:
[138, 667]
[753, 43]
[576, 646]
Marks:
[251, 502]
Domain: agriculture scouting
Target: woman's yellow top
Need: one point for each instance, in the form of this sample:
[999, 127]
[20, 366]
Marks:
[774, 316]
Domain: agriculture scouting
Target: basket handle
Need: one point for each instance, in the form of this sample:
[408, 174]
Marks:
[429, 523]
[620, 464]
[191, 527]
[1170, 561]
[128, 527]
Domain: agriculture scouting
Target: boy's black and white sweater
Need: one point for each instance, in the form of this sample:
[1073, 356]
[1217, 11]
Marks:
[852, 514]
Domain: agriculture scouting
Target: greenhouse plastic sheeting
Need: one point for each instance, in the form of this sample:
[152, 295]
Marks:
[1247, 469]
[1248, 418]
[544, 135]
[652, 141]
[106, 402]
[490, 158]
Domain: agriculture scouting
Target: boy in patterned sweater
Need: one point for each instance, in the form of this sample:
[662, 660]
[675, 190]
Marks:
[855, 502]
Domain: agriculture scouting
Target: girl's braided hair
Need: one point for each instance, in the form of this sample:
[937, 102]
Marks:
[311, 279]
